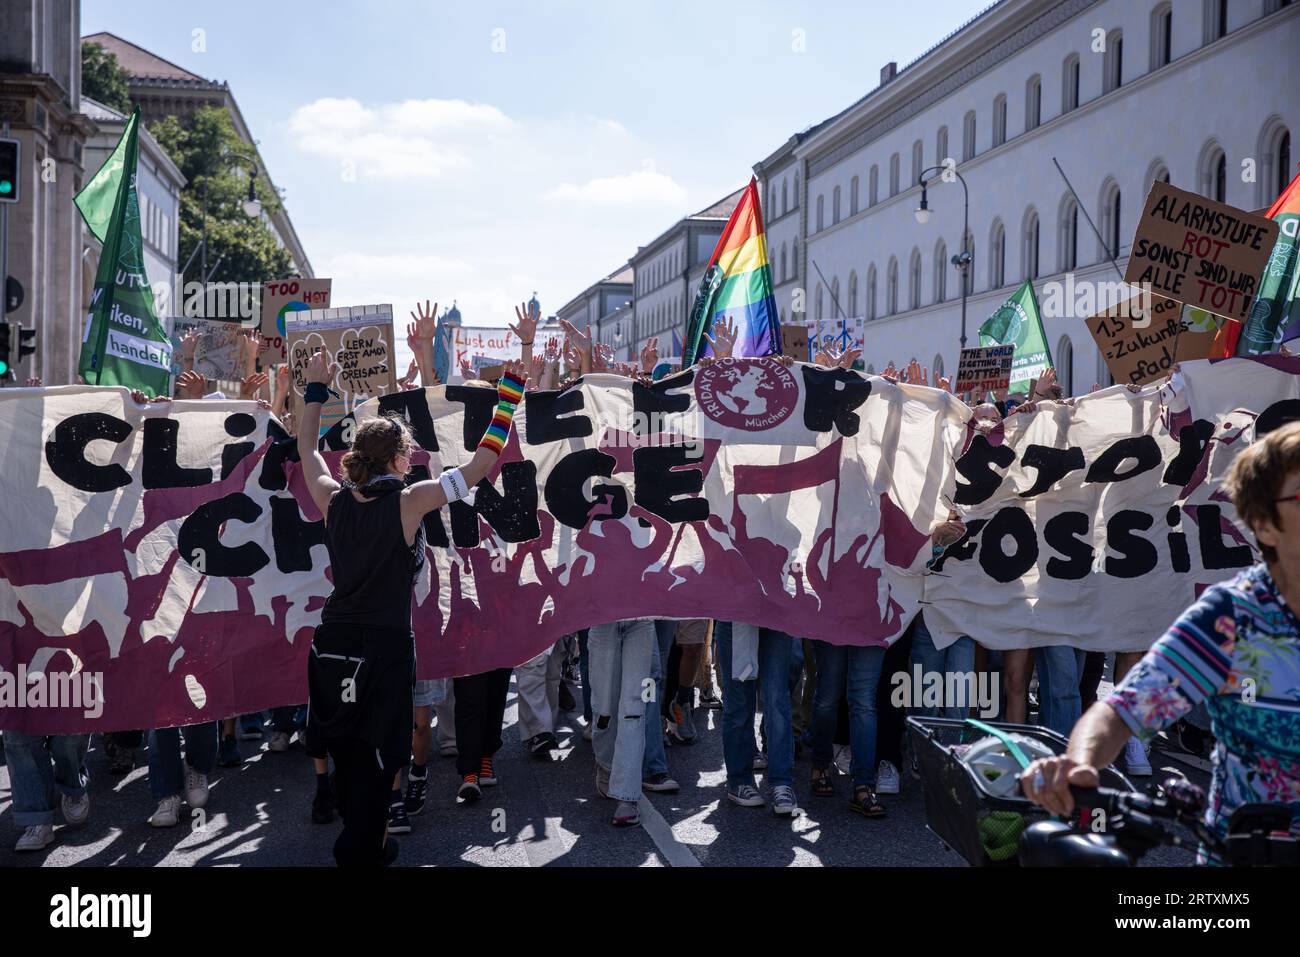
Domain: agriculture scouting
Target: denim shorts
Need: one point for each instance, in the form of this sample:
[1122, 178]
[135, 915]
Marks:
[426, 693]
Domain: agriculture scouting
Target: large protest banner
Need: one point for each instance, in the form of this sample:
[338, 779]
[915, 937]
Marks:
[1095, 525]
[1203, 253]
[170, 552]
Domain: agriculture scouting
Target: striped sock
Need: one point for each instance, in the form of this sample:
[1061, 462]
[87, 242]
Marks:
[509, 392]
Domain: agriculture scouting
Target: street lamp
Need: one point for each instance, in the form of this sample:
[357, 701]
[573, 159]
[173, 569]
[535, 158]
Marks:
[252, 205]
[963, 259]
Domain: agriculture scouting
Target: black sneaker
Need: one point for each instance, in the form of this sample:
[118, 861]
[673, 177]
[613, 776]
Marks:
[541, 745]
[123, 761]
[228, 753]
[398, 822]
[417, 790]
[710, 700]
[567, 701]
[322, 806]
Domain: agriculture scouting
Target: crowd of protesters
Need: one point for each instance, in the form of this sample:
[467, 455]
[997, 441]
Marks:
[774, 694]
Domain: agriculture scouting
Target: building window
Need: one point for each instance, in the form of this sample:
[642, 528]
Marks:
[871, 292]
[940, 271]
[817, 309]
[835, 297]
[918, 162]
[1162, 35]
[1276, 171]
[891, 288]
[1065, 365]
[784, 274]
[1283, 161]
[1113, 62]
[1030, 256]
[1216, 20]
[835, 205]
[893, 175]
[914, 280]
[999, 119]
[997, 256]
[1033, 102]
[1070, 84]
[1069, 239]
[796, 191]
[968, 137]
[785, 196]
[853, 295]
[821, 213]
[873, 186]
[853, 196]
[1110, 220]
[794, 259]
[941, 145]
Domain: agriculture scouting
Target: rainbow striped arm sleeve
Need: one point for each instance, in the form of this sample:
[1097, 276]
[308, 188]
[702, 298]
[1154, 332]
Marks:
[509, 392]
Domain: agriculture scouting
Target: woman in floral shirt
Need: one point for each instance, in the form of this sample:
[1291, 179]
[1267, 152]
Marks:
[1237, 649]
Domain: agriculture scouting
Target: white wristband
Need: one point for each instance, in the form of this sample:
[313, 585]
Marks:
[455, 487]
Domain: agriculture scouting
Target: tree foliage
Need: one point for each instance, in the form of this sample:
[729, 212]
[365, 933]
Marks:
[102, 79]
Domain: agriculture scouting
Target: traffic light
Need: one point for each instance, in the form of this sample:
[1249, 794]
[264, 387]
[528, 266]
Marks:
[6, 363]
[26, 343]
[10, 154]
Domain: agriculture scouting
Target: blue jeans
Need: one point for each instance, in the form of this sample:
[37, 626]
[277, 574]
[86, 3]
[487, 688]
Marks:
[857, 670]
[166, 772]
[41, 768]
[621, 657]
[655, 760]
[740, 702]
[584, 672]
[1059, 703]
[957, 658]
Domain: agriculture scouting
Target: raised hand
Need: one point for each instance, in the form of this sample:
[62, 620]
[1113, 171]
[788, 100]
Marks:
[650, 354]
[848, 357]
[425, 322]
[467, 370]
[514, 368]
[602, 357]
[537, 370]
[526, 330]
[413, 340]
[890, 374]
[942, 382]
[823, 358]
[580, 340]
[572, 357]
[321, 368]
[189, 345]
[1043, 387]
[251, 384]
[191, 384]
[723, 340]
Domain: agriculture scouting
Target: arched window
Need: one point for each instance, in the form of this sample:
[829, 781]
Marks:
[1162, 35]
[873, 186]
[794, 259]
[893, 175]
[784, 275]
[835, 297]
[1274, 151]
[821, 213]
[853, 196]
[999, 119]
[1212, 178]
[1065, 365]
[1156, 171]
[835, 205]
[997, 255]
[936, 367]
[795, 204]
[914, 280]
[817, 308]
[968, 136]
[1029, 245]
[941, 145]
[940, 271]
[1033, 102]
[871, 292]
[785, 196]
[851, 310]
[1070, 83]
[1110, 219]
[1215, 19]
[1113, 62]
[891, 287]
[1068, 235]
[918, 163]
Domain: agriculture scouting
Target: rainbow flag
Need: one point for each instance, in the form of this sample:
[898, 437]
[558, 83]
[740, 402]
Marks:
[737, 285]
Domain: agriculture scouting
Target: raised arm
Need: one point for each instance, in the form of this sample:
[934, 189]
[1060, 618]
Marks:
[424, 497]
[321, 368]
[419, 337]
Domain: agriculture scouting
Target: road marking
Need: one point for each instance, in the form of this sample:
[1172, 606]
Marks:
[674, 851]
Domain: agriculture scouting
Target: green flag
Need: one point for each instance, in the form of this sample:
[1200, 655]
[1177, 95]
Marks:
[1018, 323]
[1275, 316]
[124, 343]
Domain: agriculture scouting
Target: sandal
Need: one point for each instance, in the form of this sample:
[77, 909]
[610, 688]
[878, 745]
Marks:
[864, 802]
[821, 783]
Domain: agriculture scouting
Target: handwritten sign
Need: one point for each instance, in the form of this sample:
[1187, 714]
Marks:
[984, 368]
[1141, 352]
[284, 296]
[219, 353]
[1206, 254]
[360, 338]
[479, 346]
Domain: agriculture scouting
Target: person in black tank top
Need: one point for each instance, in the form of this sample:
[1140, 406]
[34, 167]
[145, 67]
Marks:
[361, 668]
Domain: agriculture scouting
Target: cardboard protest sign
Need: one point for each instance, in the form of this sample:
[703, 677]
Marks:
[1200, 252]
[285, 296]
[794, 342]
[1141, 348]
[219, 354]
[360, 338]
[984, 368]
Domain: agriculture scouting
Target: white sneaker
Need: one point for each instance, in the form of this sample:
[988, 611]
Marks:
[168, 813]
[75, 810]
[586, 732]
[196, 787]
[278, 742]
[36, 838]
[1135, 759]
[886, 778]
[746, 795]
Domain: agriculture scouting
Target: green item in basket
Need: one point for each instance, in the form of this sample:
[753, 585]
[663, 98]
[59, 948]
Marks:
[1000, 834]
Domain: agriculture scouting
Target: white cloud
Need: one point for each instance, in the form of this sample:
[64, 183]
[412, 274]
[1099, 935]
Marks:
[646, 186]
[406, 140]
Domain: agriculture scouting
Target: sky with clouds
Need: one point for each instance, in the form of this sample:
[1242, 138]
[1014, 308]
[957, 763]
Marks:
[482, 151]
